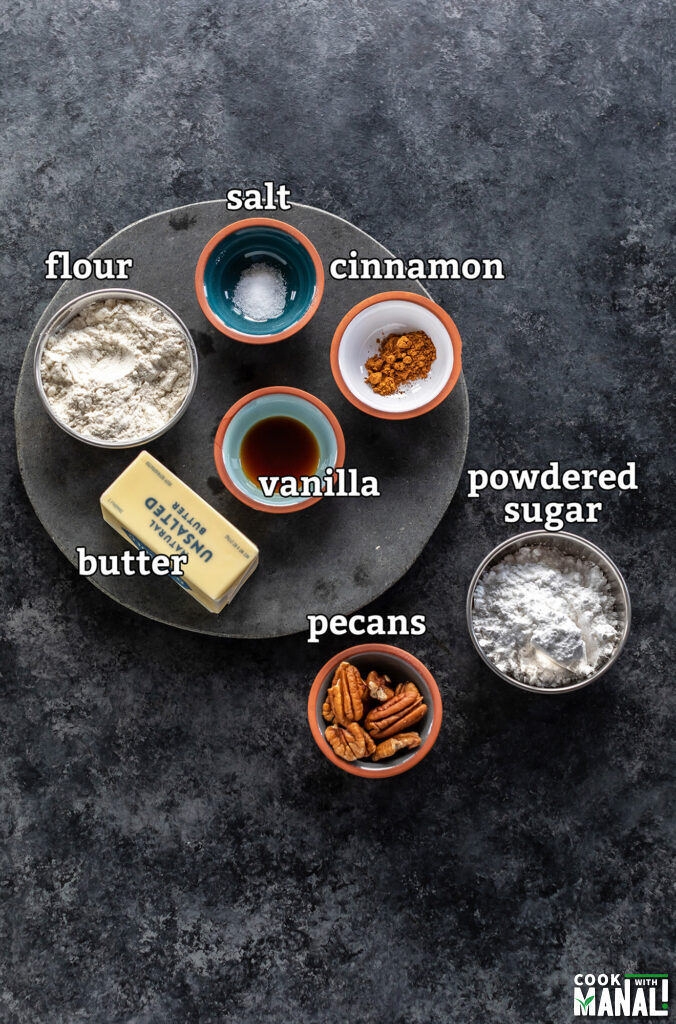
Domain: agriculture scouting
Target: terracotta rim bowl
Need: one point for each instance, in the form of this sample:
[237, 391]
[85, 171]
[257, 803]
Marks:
[396, 662]
[327, 421]
[269, 225]
[355, 340]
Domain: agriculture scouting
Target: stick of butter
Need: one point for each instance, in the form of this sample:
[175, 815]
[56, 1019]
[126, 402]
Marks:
[156, 511]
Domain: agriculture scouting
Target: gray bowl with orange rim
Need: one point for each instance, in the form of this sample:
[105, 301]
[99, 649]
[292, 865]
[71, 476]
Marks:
[401, 667]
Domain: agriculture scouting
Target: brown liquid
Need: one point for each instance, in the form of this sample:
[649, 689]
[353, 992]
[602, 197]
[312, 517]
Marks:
[279, 446]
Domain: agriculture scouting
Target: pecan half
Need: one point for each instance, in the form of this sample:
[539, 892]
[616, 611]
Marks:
[378, 686]
[397, 714]
[345, 697]
[407, 688]
[404, 741]
[350, 742]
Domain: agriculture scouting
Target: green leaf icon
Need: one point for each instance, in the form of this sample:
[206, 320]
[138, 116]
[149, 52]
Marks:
[585, 1002]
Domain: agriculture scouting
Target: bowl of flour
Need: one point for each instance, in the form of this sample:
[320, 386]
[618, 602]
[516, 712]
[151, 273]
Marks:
[547, 612]
[115, 368]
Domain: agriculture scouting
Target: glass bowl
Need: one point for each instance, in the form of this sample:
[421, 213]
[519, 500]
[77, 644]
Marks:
[68, 313]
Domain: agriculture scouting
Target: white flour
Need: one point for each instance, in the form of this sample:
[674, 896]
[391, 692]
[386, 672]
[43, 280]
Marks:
[545, 617]
[118, 371]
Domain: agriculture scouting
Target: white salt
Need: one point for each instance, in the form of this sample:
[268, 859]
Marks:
[260, 293]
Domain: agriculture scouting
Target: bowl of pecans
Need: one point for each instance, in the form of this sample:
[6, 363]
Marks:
[374, 710]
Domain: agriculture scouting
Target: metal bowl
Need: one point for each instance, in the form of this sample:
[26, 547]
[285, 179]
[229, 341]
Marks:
[571, 544]
[65, 315]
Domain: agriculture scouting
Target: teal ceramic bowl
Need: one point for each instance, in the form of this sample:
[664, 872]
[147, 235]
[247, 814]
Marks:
[274, 245]
[261, 405]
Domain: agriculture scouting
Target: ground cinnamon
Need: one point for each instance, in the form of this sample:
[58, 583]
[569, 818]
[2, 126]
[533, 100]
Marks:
[400, 358]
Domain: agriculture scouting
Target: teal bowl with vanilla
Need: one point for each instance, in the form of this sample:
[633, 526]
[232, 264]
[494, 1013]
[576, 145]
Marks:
[270, 404]
[259, 280]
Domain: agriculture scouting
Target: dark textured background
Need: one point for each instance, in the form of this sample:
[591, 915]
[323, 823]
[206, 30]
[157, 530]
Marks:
[174, 847]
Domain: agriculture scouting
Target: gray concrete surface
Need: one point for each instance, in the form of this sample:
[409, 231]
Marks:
[174, 848]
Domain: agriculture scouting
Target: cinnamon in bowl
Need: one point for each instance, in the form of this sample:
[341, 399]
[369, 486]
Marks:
[400, 358]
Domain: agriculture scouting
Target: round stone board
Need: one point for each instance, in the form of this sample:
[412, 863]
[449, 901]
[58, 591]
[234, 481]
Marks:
[333, 557]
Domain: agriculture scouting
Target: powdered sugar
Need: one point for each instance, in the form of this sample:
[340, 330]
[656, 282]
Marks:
[545, 617]
[118, 371]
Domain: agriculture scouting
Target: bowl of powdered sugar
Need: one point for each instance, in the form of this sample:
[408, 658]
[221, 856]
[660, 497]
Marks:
[115, 368]
[548, 613]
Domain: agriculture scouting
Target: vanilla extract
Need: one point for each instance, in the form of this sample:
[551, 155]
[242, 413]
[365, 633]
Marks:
[335, 483]
[279, 448]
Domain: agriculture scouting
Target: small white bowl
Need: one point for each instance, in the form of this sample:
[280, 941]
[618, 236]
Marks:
[67, 313]
[356, 340]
